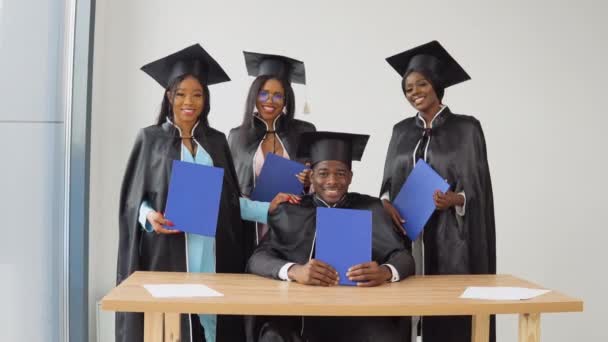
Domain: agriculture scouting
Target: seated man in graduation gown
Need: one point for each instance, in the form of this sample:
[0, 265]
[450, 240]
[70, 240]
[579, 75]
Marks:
[287, 252]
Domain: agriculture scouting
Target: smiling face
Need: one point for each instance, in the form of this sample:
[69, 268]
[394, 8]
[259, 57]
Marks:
[420, 93]
[271, 100]
[331, 179]
[187, 101]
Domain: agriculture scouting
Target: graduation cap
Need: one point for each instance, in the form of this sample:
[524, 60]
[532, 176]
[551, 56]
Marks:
[321, 146]
[432, 57]
[261, 64]
[289, 69]
[191, 60]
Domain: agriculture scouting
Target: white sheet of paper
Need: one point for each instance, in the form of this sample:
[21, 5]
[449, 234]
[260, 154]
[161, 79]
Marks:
[501, 293]
[181, 291]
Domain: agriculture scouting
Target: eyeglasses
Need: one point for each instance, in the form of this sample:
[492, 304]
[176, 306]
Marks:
[264, 96]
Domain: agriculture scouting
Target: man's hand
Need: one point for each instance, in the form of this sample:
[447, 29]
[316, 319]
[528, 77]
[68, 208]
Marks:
[314, 272]
[369, 274]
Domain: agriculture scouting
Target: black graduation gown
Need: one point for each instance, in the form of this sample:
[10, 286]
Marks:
[457, 151]
[290, 239]
[244, 143]
[147, 178]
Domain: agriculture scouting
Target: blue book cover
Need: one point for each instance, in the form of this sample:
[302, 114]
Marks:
[277, 175]
[193, 199]
[415, 199]
[344, 239]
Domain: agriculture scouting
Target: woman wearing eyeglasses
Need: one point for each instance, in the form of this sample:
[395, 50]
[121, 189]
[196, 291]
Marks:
[268, 124]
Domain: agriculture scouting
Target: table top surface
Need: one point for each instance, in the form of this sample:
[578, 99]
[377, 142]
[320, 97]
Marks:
[253, 295]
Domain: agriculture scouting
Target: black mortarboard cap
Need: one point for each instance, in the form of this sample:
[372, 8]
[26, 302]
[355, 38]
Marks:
[191, 60]
[322, 146]
[432, 57]
[261, 64]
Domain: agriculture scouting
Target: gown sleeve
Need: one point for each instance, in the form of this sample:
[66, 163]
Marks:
[131, 196]
[255, 211]
[144, 210]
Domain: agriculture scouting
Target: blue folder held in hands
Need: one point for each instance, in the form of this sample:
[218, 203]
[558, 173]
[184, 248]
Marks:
[193, 200]
[277, 175]
[415, 199]
[344, 239]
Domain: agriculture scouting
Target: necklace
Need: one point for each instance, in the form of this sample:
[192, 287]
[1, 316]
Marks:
[274, 140]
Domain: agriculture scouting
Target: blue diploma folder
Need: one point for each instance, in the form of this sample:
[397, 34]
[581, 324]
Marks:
[344, 239]
[277, 175]
[415, 199]
[193, 200]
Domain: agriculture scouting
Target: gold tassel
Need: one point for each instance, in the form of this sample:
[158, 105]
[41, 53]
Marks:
[306, 109]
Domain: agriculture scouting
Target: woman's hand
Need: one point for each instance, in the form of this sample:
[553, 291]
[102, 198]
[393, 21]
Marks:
[158, 220]
[369, 274]
[280, 198]
[447, 200]
[398, 221]
[304, 176]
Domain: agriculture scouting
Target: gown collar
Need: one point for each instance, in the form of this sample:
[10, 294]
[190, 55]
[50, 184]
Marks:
[321, 203]
[437, 121]
[276, 124]
[174, 129]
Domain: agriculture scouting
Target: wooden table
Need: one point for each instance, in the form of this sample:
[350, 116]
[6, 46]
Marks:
[246, 294]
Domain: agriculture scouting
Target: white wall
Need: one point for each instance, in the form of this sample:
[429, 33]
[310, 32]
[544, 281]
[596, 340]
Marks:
[538, 88]
[31, 171]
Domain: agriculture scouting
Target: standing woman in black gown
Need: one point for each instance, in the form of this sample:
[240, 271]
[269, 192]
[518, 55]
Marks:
[182, 132]
[268, 126]
[459, 238]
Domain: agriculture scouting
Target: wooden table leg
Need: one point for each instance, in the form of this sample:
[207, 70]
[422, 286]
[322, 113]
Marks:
[480, 331]
[153, 326]
[172, 327]
[529, 327]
